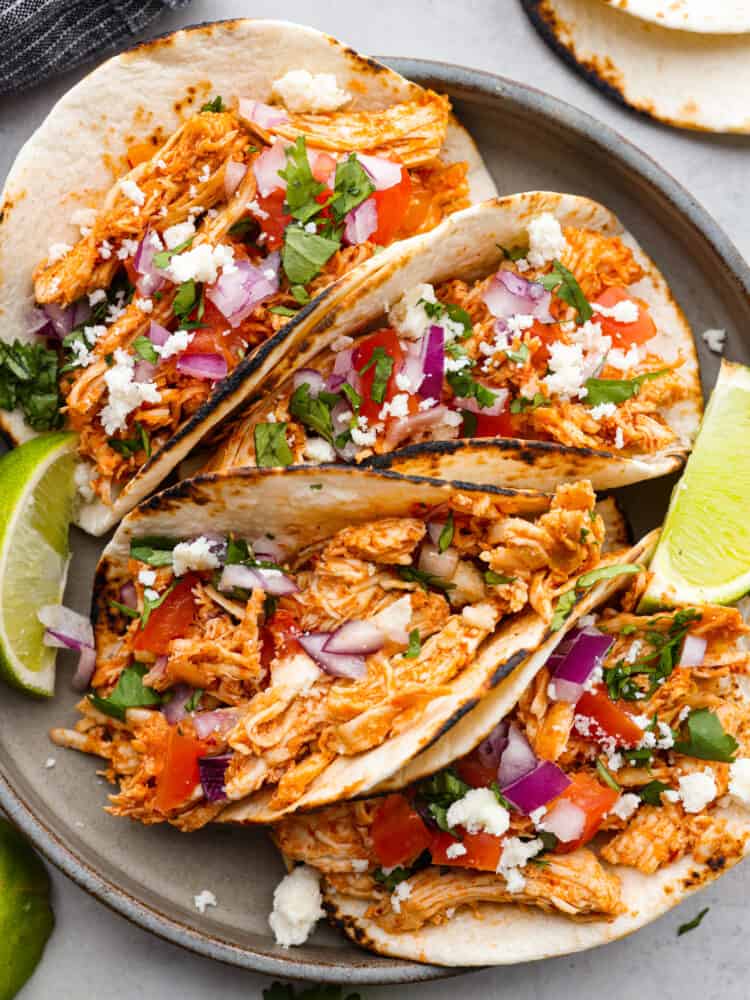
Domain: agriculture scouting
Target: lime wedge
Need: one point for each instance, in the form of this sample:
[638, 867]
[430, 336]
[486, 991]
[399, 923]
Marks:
[703, 555]
[36, 503]
[26, 918]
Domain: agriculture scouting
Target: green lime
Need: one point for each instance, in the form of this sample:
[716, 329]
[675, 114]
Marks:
[36, 502]
[26, 918]
[703, 555]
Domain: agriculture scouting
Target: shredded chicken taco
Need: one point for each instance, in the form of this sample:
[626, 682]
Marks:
[618, 783]
[524, 341]
[312, 631]
[213, 194]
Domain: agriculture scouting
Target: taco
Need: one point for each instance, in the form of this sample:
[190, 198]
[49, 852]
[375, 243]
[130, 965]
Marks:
[525, 341]
[272, 640]
[617, 784]
[212, 194]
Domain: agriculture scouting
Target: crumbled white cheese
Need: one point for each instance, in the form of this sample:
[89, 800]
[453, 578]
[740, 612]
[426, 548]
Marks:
[197, 555]
[302, 91]
[537, 815]
[204, 899]
[739, 780]
[202, 263]
[479, 811]
[258, 212]
[457, 364]
[105, 249]
[360, 864]
[594, 679]
[296, 906]
[625, 311]
[546, 240]
[50, 762]
[175, 343]
[97, 296]
[408, 314]
[397, 407]
[634, 651]
[671, 795]
[205, 174]
[516, 853]
[715, 340]
[615, 761]
[145, 305]
[624, 360]
[131, 191]
[128, 248]
[619, 438]
[482, 616]
[150, 594]
[147, 577]
[318, 450]
[57, 251]
[403, 382]
[625, 806]
[125, 395]
[364, 438]
[518, 323]
[181, 231]
[400, 893]
[456, 850]
[603, 410]
[697, 790]
[566, 376]
[82, 478]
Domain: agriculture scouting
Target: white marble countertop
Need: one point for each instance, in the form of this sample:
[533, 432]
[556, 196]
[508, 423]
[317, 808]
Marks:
[94, 953]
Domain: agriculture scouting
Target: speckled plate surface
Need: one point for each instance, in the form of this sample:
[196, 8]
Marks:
[151, 874]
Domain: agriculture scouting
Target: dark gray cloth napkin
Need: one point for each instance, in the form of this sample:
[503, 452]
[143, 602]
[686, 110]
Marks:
[39, 38]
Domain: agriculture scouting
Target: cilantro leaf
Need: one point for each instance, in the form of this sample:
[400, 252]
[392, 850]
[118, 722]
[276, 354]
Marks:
[127, 447]
[562, 609]
[312, 411]
[656, 664]
[415, 645]
[606, 573]
[446, 535]
[242, 226]
[352, 187]
[522, 403]
[163, 257]
[439, 792]
[185, 299]
[606, 775]
[301, 186]
[28, 380]
[283, 311]
[513, 253]
[216, 104]
[651, 793]
[130, 692]
[271, 446]
[466, 387]
[563, 282]
[521, 356]
[496, 579]
[692, 924]
[383, 363]
[154, 555]
[151, 604]
[193, 702]
[617, 390]
[300, 294]
[469, 426]
[706, 738]
[304, 254]
[425, 580]
[145, 349]
[124, 609]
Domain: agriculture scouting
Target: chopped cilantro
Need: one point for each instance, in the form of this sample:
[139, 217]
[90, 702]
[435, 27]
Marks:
[300, 294]
[439, 792]
[146, 350]
[313, 411]
[301, 187]
[606, 775]
[436, 310]
[153, 552]
[522, 403]
[124, 609]
[415, 645]
[193, 702]
[28, 380]
[127, 447]
[185, 299]
[562, 609]
[216, 105]
[353, 186]
[304, 254]
[446, 535]
[130, 692]
[521, 356]
[496, 579]
[383, 363]
[162, 259]
[469, 426]
[399, 874]
[563, 282]
[352, 395]
[706, 738]
[617, 390]
[513, 253]
[425, 580]
[655, 665]
[150, 604]
[466, 387]
[606, 573]
[242, 227]
[651, 793]
[628, 630]
[271, 446]
[282, 311]
[692, 924]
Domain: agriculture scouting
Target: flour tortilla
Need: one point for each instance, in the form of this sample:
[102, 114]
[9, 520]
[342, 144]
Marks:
[284, 504]
[694, 79]
[467, 245]
[64, 167]
[729, 17]
[507, 934]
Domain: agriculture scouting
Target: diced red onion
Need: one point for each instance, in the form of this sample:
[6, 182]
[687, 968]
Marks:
[508, 294]
[566, 820]
[233, 176]
[497, 407]
[267, 549]
[65, 628]
[334, 382]
[314, 380]
[266, 169]
[355, 637]
[341, 416]
[693, 651]
[262, 114]
[150, 278]
[220, 720]
[394, 620]
[208, 366]
[491, 748]
[144, 371]
[536, 788]
[81, 312]
[337, 664]
[418, 424]
[361, 222]
[60, 318]
[433, 363]
[518, 758]
[383, 173]
[435, 530]
[237, 293]
[85, 669]
[159, 669]
[413, 367]
[270, 581]
[174, 710]
[158, 334]
[128, 595]
[38, 320]
[212, 774]
[574, 661]
[437, 563]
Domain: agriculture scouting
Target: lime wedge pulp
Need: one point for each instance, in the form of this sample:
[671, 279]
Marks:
[703, 555]
[36, 501]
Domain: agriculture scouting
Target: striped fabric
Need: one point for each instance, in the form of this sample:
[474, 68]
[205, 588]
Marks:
[39, 38]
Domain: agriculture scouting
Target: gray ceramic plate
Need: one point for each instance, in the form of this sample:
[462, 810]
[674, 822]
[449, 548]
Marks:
[150, 874]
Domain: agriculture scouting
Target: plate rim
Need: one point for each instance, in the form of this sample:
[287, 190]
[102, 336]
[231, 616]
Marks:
[556, 113]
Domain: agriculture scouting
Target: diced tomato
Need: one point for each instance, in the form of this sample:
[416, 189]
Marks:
[170, 620]
[594, 799]
[323, 167]
[504, 424]
[482, 851]
[625, 334]
[140, 152]
[279, 636]
[475, 773]
[399, 834]
[609, 718]
[388, 340]
[180, 773]
[216, 336]
[392, 204]
[274, 222]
